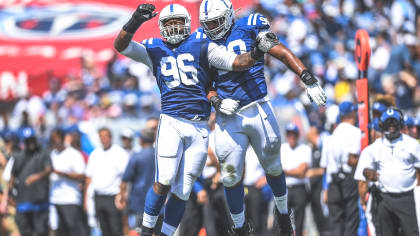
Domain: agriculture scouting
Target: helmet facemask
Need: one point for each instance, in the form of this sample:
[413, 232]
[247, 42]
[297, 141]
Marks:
[175, 33]
[216, 28]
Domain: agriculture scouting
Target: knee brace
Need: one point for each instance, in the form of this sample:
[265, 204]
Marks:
[230, 175]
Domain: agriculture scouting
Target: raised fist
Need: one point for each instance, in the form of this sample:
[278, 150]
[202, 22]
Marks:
[144, 12]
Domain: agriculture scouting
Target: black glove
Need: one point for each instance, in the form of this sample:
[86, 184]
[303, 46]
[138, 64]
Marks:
[216, 101]
[308, 78]
[143, 13]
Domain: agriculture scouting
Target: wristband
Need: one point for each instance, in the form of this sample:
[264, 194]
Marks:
[216, 101]
[307, 77]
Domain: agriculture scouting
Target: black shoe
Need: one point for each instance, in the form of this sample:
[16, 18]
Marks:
[285, 222]
[146, 231]
[246, 230]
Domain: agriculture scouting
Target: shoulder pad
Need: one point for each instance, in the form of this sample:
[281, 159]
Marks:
[255, 20]
[199, 34]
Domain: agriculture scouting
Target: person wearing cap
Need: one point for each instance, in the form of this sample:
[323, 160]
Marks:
[343, 153]
[65, 194]
[393, 161]
[296, 159]
[104, 172]
[377, 109]
[127, 138]
[140, 174]
[29, 175]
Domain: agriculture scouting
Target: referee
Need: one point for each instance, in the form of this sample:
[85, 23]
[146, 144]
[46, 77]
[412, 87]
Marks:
[393, 161]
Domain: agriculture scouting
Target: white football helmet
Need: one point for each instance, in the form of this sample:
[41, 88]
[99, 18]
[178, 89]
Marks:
[216, 17]
[174, 34]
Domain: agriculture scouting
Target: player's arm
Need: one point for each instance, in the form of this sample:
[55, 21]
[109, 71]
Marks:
[220, 58]
[124, 44]
[267, 42]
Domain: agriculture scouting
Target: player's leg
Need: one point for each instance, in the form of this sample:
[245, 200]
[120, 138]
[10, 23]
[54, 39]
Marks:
[169, 151]
[192, 163]
[231, 145]
[266, 141]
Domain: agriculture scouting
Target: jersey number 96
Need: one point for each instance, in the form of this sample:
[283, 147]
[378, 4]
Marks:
[178, 70]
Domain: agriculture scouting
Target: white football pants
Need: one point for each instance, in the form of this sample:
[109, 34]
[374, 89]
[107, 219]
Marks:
[181, 153]
[254, 124]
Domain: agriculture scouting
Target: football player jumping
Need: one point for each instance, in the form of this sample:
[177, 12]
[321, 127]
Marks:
[254, 123]
[181, 63]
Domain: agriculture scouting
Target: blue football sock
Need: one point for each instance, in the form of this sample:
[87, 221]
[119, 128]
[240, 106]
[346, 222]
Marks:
[279, 188]
[277, 184]
[235, 199]
[174, 211]
[153, 204]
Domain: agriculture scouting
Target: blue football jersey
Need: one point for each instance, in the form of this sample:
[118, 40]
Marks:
[183, 76]
[249, 85]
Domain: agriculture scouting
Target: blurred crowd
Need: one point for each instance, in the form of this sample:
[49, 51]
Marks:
[97, 109]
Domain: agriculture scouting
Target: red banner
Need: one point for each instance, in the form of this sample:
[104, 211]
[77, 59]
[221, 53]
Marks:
[50, 36]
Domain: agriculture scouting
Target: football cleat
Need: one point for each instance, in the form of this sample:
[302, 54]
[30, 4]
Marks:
[246, 230]
[285, 222]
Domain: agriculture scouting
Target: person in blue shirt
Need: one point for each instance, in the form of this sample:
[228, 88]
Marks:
[254, 123]
[182, 64]
[140, 172]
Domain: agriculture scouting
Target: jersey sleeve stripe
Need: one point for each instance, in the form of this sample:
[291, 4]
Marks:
[150, 41]
[255, 19]
[250, 19]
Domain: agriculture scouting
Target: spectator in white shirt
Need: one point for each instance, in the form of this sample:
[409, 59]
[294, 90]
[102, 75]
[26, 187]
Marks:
[104, 172]
[296, 159]
[343, 154]
[66, 185]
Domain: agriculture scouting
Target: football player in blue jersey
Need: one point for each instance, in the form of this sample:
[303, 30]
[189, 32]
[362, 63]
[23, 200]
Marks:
[254, 123]
[181, 63]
